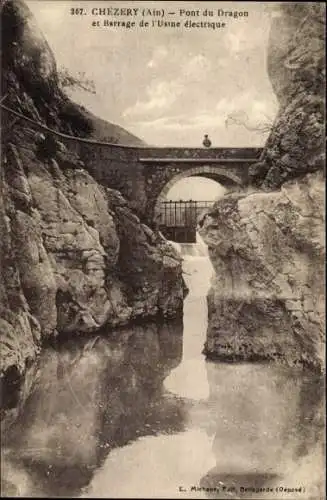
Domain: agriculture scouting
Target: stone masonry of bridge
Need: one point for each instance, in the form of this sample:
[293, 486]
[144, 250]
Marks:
[144, 175]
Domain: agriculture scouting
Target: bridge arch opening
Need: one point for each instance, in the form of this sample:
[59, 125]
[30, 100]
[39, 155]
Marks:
[197, 188]
[184, 198]
[217, 174]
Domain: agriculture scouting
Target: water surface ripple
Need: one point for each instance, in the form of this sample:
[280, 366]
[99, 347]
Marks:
[141, 414]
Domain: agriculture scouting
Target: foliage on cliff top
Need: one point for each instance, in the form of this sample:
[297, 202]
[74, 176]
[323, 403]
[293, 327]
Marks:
[31, 86]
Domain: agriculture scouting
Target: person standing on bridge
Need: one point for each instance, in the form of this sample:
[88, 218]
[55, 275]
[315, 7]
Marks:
[206, 141]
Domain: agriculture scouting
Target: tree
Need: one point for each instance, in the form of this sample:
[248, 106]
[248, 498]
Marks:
[80, 81]
[241, 118]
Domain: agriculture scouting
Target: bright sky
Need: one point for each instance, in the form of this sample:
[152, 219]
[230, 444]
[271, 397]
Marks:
[196, 188]
[169, 86]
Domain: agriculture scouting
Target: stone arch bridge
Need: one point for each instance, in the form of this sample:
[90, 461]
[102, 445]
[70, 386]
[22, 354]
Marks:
[144, 174]
[164, 167]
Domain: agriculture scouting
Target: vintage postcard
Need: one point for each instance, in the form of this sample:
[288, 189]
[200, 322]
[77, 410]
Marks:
[162, 287]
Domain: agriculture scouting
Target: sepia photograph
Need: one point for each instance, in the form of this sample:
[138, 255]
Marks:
[162, 249]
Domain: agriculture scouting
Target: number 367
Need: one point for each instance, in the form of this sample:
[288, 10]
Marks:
[77, 11]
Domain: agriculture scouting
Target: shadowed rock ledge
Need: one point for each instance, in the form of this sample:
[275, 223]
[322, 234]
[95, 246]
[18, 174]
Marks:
[267, 244]
[74, 256]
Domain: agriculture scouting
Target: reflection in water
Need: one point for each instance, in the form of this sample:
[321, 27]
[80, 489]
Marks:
[143, 415]
[268, 431]
[89, 398]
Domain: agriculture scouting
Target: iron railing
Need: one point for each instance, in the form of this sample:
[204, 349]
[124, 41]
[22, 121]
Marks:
[178, 219]
[182, 213]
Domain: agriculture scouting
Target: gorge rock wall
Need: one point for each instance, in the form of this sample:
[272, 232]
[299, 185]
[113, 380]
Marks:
[267, 244]
[31, 85]
[296, 68]
[74, 256]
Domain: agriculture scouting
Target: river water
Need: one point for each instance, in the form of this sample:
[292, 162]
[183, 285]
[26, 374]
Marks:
[145, 415]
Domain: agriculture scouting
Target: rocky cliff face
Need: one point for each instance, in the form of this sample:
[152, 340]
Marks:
[74, 257]
[296, 67]
[267, 245]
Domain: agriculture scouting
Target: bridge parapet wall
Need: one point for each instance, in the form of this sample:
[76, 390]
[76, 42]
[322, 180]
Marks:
[114, 166]
[141, 173]
[148, 153]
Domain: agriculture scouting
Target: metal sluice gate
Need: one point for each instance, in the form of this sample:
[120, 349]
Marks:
[178, 219]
